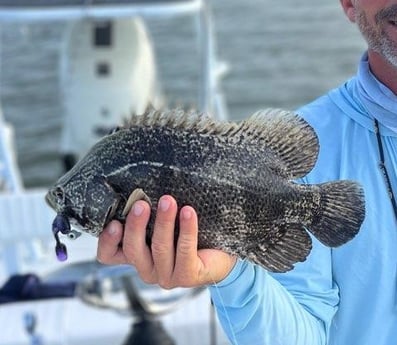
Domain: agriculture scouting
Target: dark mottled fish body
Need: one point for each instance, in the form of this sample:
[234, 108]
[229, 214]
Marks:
[238, 177]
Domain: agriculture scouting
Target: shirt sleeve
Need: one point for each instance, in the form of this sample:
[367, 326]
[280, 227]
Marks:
[294, 308]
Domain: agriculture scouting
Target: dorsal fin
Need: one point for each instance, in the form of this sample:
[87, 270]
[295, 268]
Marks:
[289, 136]
[190, 120]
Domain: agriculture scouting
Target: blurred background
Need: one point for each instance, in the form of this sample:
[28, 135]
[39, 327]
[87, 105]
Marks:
[278, 54]
[62, 83]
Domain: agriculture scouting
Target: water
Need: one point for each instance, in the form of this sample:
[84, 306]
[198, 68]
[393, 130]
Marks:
[281, 54]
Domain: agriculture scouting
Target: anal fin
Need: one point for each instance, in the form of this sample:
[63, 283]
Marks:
[294, 246]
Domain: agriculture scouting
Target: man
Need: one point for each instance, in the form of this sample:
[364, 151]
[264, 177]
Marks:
[342, 296]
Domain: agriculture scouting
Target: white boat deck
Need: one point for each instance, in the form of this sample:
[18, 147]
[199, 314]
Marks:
[70, 321]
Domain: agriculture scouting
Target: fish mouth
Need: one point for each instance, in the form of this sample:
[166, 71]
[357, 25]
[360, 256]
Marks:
[56, 198]
[50, 201]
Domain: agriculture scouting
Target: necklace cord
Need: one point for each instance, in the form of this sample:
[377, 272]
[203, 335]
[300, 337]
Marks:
[383, 169]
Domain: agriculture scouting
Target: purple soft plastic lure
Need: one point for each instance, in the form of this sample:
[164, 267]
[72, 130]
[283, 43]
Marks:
[60, 224]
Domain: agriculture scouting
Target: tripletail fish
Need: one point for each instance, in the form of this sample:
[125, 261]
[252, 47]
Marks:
[241, 178]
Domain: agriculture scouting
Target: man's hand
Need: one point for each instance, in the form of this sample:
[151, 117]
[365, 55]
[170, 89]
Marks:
[183, 266]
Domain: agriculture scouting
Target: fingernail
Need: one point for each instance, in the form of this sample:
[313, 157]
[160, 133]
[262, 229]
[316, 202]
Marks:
[112, 229]
[186, 214]
[164, 204]
[137, 209]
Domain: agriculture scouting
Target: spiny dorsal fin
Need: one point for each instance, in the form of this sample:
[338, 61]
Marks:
[189, 120]
[290, 137]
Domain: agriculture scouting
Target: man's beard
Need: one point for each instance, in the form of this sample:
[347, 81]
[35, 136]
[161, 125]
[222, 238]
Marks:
[376, 37]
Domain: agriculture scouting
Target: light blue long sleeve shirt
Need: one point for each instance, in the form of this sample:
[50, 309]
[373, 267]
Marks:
[341, 296]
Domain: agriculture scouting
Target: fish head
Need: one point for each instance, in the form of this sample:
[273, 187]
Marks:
[87, 202]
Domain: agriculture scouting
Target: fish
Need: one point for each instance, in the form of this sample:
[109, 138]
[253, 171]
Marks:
[242, 178]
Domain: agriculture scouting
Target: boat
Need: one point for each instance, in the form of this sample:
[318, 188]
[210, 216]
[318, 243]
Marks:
[81, 301]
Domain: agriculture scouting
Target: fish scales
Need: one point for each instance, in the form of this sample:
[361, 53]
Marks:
[238, 177]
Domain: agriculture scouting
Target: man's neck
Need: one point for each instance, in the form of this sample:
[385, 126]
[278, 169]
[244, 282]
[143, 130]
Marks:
[383, 70]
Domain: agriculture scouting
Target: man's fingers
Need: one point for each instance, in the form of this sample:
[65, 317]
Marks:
[134, 241]
[187, 240]
[163, 250]
[163, 264]
[187, 263]
[109, 251]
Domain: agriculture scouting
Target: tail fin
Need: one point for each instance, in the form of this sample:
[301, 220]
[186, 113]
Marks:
[341, 212]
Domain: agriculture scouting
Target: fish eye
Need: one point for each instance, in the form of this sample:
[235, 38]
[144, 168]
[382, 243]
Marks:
[58, 192]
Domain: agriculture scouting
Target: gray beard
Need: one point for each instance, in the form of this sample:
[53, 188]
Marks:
[378, 41]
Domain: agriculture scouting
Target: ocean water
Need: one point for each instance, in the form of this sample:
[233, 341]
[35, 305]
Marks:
[279, 53]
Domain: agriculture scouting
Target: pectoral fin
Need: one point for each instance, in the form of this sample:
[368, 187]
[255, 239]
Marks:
[137, 194]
